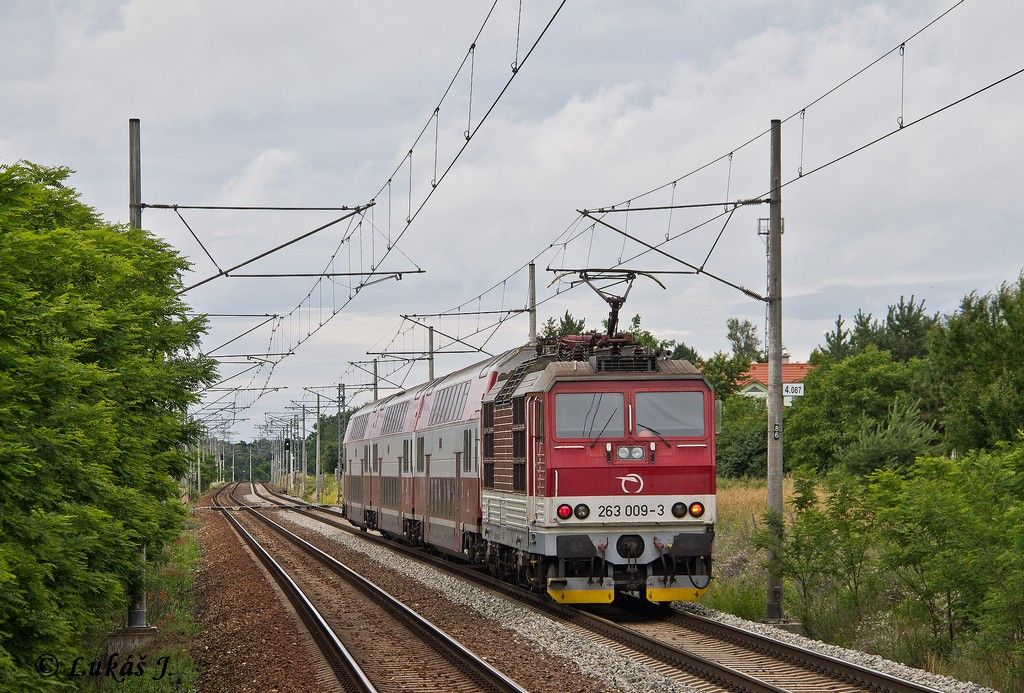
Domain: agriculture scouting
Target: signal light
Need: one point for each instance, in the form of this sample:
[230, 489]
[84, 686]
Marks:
[696, 509]
[582, 511]
[679, 509]
[564, 511]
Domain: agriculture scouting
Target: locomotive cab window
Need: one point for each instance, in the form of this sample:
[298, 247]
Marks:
[670, 414]
[590, 415]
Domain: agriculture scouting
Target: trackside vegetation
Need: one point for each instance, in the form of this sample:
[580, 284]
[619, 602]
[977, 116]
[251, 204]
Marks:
[904, 525]
[98, 362]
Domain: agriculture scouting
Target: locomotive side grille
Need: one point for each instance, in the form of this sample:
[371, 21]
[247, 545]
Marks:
[504, 395]
[637, 363]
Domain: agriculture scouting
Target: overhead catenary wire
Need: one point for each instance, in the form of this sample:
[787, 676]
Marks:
[411, 213]
[828, 92]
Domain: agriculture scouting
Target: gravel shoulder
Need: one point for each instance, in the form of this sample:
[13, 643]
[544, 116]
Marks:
[249, 639]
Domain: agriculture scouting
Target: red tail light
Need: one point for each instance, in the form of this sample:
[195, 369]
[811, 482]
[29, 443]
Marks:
[564, 511]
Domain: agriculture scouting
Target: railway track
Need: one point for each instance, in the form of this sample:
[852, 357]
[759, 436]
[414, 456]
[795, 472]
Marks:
[394, 647]
[349, 674]
[715, 655]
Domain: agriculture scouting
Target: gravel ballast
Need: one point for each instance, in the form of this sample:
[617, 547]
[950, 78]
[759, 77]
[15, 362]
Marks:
[869, 661]
[436, 595]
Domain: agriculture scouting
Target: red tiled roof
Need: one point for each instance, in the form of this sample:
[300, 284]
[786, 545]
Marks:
[791, 373]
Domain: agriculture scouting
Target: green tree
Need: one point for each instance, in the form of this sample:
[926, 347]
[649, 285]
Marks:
[939, 528]
[746, 345]
[837, 342]
[724, 373]
[840, 397]
[741, 449]
[97, 364]
[905, 333]
[975, 363]
[645, 338]
[566, 325]
[687, 353]
[892, 443]
[328, 440]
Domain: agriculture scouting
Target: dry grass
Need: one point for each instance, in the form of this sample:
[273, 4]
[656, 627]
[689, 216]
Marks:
[741, 507]
[329, 494]
[739, 569]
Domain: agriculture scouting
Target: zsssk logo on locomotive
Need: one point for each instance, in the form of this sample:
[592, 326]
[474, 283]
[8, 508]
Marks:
[631, 483]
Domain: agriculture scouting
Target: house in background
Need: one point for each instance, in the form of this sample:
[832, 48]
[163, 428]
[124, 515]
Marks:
[754, 383]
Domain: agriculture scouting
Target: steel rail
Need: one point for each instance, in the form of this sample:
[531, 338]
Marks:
[800, 656]
[718, 674]
[488, 677]
[349, 674]
[823, 664]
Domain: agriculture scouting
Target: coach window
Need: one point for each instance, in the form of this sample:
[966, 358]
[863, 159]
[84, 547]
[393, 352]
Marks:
[670, 414]
[467, 450]
[419, 454]
[589, 415]
[405, 456]
[376, 460]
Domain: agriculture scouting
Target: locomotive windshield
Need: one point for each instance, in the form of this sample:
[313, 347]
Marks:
[589, 415]
[670, 413]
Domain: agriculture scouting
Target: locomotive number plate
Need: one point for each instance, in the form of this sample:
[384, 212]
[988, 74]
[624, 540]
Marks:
[631, 510]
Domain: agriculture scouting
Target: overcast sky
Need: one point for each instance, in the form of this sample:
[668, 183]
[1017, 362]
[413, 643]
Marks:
[315, 103]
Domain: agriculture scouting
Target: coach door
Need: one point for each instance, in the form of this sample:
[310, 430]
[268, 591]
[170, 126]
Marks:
[405, 480]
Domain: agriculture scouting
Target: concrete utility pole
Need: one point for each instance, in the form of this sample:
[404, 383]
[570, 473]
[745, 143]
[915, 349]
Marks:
[319, 481]
[430, 354]
[532, 303]
[250, 463]
[289, 454]
[137, 612]
[375, 380]
[775, 467]
[337, 466]
[134, 174]
[305, 457]
[232, 463]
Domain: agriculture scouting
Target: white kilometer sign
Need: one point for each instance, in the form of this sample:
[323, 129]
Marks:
[793, 389]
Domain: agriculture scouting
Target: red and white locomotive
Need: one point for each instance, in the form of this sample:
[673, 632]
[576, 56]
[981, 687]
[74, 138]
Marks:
[581, 466]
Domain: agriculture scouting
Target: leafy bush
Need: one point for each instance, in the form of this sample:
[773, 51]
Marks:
[974, 360]
[95, 371]
[893, 443]
[918, 564]
[841, 397]
[742, 446]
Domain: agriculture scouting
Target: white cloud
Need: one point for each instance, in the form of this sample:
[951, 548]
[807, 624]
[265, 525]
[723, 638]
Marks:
[314, 103]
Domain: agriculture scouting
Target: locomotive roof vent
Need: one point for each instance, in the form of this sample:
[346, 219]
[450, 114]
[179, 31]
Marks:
[641, 361]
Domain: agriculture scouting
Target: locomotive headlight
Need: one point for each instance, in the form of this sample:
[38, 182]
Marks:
[582, 511]
[636, 453]
[622, 453]
[564, 511]
[679, 509]
[696, 509]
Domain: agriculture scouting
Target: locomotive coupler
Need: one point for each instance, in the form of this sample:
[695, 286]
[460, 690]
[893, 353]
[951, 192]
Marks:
[668, 573]
[603, 571]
